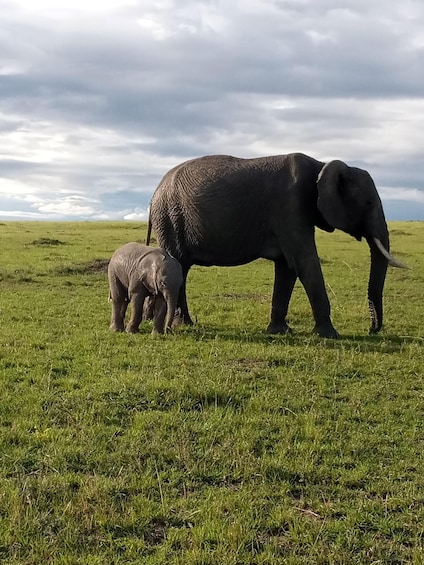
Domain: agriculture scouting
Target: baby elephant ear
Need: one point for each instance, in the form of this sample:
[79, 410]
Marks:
[149, 279]
[330, 184]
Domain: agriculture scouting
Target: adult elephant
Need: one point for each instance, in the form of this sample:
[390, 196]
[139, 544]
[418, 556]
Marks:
[223, 210]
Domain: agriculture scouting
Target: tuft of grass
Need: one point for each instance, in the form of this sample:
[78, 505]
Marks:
[218, 443]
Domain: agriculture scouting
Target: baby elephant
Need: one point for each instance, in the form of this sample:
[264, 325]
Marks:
[136, 272]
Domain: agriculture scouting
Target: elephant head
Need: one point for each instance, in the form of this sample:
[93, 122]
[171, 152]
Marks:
[162, 276]
[348, 200]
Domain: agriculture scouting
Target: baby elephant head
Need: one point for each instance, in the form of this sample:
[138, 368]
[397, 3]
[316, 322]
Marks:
[163, 277]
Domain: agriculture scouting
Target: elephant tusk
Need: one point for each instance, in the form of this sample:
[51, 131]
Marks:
[392, 261]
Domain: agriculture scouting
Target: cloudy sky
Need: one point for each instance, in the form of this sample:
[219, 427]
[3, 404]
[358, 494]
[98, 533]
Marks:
[99, 98]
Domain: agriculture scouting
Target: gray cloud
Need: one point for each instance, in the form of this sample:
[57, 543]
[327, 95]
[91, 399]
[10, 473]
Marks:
[98, 101]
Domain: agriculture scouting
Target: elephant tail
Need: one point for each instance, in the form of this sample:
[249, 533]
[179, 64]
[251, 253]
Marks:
[149, 230]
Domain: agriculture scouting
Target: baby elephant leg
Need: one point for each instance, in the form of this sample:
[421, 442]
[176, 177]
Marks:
[148, 308]
[159, 315]
[136, 301]
[119, 308]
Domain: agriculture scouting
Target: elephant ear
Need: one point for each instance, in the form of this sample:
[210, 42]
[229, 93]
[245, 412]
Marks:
[330, 184]
[149, 278]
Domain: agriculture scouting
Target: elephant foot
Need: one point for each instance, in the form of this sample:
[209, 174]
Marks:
[326, 330]
[181, 319]
[131, 330]
[114, 328]
[178, 320]
[274, 328]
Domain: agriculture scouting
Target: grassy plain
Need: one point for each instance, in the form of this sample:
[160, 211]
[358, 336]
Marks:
[218, 444]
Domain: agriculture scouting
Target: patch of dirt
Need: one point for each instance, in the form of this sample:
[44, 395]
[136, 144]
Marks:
[95, 266]
[47, 241]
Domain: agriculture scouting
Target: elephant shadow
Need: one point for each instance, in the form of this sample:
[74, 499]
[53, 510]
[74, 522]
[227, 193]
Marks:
[381, 343]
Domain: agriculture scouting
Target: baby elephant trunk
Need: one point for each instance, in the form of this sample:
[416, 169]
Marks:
[171, 305]
[168, 282]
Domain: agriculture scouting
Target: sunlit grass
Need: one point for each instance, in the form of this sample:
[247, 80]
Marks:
[218, 444]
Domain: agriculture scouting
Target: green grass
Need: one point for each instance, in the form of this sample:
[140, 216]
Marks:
[218, 444]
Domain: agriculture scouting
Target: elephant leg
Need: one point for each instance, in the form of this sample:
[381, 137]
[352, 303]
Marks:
[136, 301]
[148, 307]
[159, 315]
[119, 308]
[310, 275]
[284, 281]
[183, 314]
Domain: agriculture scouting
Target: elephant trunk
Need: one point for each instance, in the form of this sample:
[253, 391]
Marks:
[380, 259]
[171, 305]
[378, 270]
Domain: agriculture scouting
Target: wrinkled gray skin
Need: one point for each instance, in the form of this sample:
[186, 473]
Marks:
[222, 210]
[137, 272]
